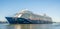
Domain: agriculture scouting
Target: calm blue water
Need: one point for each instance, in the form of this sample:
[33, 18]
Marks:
[29, 26]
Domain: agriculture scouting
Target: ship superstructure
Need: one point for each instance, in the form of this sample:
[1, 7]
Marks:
[27, 17]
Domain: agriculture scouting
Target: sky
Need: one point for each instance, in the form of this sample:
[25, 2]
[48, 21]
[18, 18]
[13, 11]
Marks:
[49, 7]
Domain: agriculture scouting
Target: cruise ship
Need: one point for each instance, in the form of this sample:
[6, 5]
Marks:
[27, 17]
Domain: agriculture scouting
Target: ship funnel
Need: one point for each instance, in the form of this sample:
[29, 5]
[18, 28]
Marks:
[24, 10]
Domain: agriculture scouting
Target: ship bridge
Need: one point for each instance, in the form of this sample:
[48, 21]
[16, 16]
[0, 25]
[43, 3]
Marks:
[19, 14]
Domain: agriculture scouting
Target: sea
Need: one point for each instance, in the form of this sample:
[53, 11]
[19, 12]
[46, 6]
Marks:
[30, 26]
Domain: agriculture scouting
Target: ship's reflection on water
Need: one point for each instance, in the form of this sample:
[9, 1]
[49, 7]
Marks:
[28, 26]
